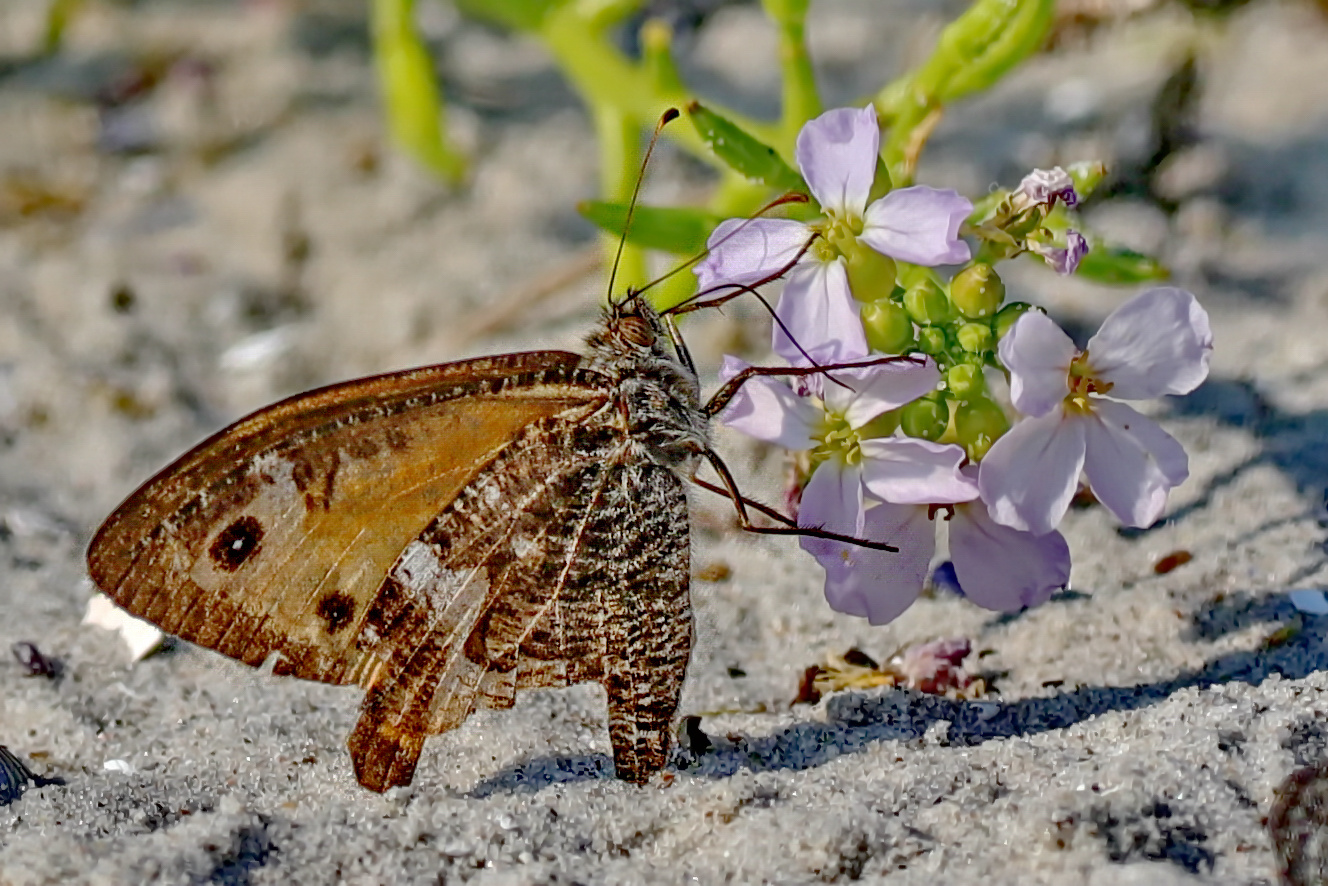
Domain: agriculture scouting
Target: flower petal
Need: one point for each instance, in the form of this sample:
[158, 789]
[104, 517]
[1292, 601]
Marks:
[880, 585]
[1156, 343]
[831, 500]
[867, 391]
[1030, 474]
[836, 154]
[821, 315]
[744, 251]
[918, 225]
[768, 410]
[1063, 260]
[904, 470]
[1037, 353]
[1131, 463]
[1045, 186]
[1003, 568]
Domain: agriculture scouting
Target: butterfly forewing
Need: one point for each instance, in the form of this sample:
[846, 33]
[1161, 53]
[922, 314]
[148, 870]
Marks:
[275, 535]
[444, 537]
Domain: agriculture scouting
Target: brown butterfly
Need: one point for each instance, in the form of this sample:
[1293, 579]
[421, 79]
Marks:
[445, 536]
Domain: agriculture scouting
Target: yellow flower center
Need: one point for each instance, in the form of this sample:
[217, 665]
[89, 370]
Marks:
[1083, 381]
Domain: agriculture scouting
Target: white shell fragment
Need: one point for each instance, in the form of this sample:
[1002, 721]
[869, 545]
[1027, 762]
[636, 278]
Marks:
[140, 636]
[1311, 602]
[120, 766]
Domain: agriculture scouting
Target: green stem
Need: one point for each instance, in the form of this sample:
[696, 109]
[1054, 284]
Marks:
[619, 137]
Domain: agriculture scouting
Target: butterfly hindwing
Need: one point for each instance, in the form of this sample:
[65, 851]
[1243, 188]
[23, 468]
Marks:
[539, 573]
[275, 535]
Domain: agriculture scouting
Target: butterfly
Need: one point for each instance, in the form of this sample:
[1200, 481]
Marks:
[445, 537]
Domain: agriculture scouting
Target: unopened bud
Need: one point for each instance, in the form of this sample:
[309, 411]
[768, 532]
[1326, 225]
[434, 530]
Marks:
[977, 291]
[976, 338]
[965, 381]
[931, 341]
[927, 304]
[889, 329]
[882, 425]
[871, 275]
[978, 424]
[925, 419]
[881, 183]
[1007, 316]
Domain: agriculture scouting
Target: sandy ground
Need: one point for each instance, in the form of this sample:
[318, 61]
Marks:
[241, 232]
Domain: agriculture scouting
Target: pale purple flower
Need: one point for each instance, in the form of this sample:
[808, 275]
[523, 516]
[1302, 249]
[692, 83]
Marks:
[1063, 260]
[997, 567]
[836, 154]
[849, 465]
[1157, 343]
[1043, 187]
[1002, 568]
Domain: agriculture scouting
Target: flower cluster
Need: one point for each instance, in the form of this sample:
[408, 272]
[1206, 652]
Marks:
[916, 435]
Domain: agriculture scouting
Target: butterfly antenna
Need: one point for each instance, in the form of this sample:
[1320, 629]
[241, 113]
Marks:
[664, 119]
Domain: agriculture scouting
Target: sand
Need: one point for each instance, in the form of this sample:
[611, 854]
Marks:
[1138, 725]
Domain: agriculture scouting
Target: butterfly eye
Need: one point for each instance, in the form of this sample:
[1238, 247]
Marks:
[636, 331]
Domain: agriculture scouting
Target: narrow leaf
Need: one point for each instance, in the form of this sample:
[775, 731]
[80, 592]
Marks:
[1121, 267]
[680, 230]
[753, 159]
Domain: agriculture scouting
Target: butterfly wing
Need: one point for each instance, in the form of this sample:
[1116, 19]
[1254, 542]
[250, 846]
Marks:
[565, 560]
[274, 536]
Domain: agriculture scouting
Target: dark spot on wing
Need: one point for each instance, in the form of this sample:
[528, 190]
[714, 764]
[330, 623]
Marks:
[337, 610]
[314, 475]
[237, 543]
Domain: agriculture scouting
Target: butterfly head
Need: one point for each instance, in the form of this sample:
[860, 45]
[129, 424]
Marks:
[631, 331]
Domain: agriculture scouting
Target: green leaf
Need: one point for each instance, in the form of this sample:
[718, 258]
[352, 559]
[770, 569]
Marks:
[680, 230]
[989, 40]
[1117, 266]
[410, 90]
[753, 159]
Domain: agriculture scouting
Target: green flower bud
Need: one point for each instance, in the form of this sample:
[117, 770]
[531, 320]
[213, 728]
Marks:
[881, 184]
[976, 338]
[1007, 315]
[889, 330]
[965, 381]
[1086, 176]
[927, 304]
[926, 418]
[978, 424]
[977, 291]
[871, 276]
[882, 425]
[931, 340]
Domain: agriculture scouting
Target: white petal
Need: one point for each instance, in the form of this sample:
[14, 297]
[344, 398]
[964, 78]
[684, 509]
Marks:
[745, 251]
[1038, 354]
[1003, 568]
[918, 225]
[880, 585]
[831, 500]
[1031, 473]
[1156, 343]
[821, 315]
[867, 391]
[904, 470]
[836, 154]
[765, 408]
[1131, 463]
